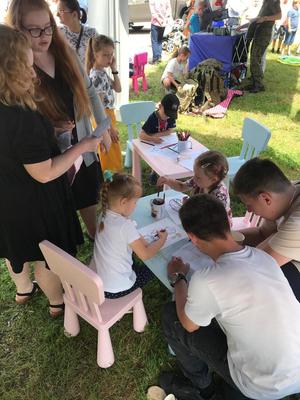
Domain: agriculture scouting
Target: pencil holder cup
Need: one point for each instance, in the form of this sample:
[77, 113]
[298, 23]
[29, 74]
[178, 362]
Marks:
[157, 208]
[184, 145]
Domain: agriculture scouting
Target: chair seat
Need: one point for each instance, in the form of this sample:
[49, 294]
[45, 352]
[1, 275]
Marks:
[112, 310]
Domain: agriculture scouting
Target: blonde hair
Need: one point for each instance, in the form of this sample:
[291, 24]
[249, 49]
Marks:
[182, 50]
[214, 164]
[96, 44]
[65, 60]
[14, 69]
[121, 186]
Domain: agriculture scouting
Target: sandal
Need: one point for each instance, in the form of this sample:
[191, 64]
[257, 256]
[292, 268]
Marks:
[25, 297]
[56, 313]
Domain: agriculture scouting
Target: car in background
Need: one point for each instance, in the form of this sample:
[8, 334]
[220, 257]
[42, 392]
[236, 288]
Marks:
[139, 12]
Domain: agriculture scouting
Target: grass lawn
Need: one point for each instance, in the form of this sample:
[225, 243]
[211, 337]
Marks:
[37, 362]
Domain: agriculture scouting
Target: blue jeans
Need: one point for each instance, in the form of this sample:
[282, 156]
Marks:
[157, 33]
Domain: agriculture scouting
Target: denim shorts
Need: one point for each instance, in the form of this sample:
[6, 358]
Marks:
[289, 38]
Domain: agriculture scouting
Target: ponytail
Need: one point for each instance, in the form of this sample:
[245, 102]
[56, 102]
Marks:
[117, 186]
[83, 15]
[104, 203]
[90, 57]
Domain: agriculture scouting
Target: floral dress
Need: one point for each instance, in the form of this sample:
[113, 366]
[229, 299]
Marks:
[73, 38]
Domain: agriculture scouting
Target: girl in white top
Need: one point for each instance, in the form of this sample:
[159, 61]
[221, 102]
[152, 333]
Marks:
[100, 60]
[118, 237]
[176, 69]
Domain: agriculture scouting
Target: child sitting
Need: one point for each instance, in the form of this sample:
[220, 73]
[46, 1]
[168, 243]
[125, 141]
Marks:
[99, 57]
[118, 236]
[210, 168]
[161, 122]
[176, 70]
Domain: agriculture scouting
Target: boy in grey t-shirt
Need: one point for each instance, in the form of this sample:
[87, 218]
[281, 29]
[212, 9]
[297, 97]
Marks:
[238, 317]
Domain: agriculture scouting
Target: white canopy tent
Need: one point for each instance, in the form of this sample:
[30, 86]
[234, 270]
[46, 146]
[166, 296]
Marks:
[110, 17]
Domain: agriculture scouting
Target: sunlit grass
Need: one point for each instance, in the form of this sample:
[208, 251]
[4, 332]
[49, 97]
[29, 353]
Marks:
[37, 362]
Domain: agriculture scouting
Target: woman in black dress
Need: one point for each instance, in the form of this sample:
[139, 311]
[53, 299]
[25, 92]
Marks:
[36, 202]
[65, 95]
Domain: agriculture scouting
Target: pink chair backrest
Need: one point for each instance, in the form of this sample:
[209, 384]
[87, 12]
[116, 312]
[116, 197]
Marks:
[83, 287]
[139, 62]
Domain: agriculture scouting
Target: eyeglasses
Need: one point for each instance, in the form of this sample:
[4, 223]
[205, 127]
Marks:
[38, 32]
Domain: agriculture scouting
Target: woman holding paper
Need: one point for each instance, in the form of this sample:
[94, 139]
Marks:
[65, 95]
[36, 201]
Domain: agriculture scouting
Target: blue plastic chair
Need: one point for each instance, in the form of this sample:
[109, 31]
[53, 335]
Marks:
[132, 115]
[255, 139]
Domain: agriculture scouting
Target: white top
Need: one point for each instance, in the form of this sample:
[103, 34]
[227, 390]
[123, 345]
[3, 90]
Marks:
[112, 254]
[254, 304]
[174, 67]
[73, 37]
[104, 87]
[161, 12]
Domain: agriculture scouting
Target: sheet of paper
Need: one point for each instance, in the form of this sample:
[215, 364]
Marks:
[157, 151]
[187, 158]
[192, 255]
[172, 207]
[167, 140]
[175, 233]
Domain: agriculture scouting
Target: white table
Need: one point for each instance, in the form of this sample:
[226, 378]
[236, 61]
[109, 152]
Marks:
[157, 264]
[161, 164]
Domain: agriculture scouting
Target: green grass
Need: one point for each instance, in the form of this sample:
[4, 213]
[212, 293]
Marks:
[37, 362]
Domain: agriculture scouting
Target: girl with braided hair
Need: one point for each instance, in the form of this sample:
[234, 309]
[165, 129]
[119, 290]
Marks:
[117, 237]
[210, 169]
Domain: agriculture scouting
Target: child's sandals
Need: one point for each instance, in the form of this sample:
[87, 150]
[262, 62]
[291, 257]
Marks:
[56, 310]
[23, 298]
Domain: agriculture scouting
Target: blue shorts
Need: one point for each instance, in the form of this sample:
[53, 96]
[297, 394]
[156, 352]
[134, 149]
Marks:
[289, 38]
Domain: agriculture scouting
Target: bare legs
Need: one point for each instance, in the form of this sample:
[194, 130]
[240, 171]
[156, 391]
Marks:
[46, 279]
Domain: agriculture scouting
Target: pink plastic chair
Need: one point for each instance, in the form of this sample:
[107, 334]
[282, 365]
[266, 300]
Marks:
[84, 296]
[139, 62]
[249, 220]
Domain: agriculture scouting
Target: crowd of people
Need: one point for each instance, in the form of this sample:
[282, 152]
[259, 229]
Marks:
[239, 318]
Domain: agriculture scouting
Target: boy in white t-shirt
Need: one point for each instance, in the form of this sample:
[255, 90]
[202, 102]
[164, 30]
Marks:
[267, 192]
[238, 317]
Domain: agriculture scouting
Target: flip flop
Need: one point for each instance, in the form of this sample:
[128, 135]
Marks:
[25, 297]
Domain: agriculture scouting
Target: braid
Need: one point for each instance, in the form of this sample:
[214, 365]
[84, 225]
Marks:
[104, 203]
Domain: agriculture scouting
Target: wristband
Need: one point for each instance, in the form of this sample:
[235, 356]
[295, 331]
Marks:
[115, 72]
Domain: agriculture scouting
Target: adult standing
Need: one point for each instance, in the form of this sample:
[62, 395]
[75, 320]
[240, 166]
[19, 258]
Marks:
[36, 202]
[161, 12]
[260, 33]
[73, 18]
[237, 316]
[66, 95]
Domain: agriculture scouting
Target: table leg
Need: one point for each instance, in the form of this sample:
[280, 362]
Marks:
[136, 165]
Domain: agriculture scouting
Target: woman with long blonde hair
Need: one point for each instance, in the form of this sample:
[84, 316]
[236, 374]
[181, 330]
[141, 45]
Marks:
[36, 202]
[65, 95]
